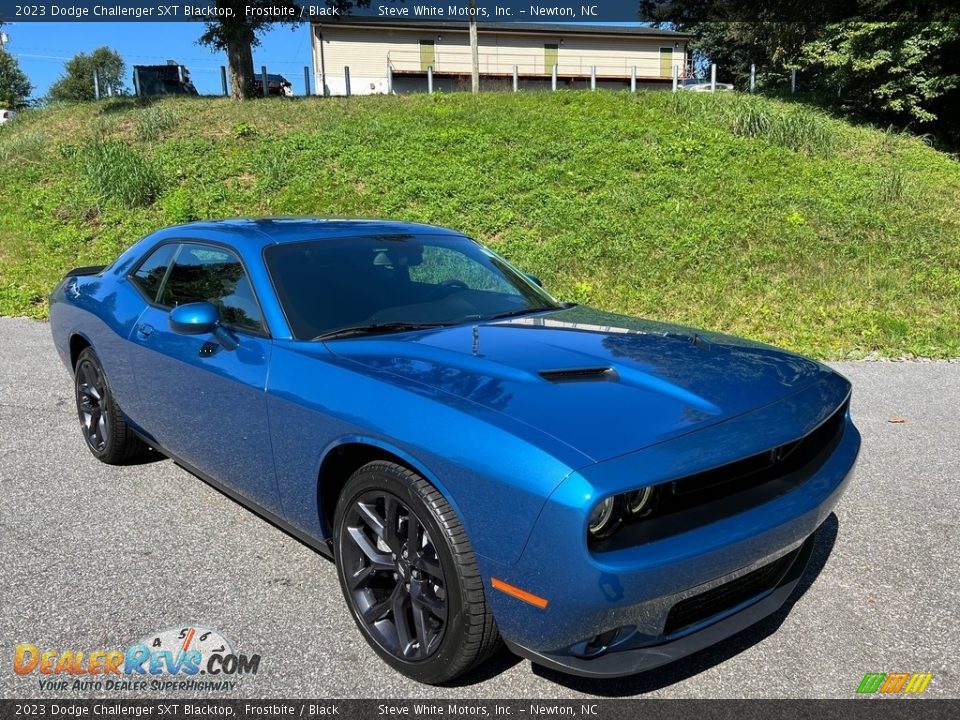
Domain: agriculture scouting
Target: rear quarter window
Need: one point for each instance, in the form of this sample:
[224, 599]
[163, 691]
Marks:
[149, 275]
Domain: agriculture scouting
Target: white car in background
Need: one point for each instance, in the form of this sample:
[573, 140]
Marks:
[6, 115]
[695, 85]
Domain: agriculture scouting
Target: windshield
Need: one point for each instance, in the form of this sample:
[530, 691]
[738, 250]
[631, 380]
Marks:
[396, 282]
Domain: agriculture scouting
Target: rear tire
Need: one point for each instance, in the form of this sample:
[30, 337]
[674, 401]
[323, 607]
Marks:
[409, 575]
[102, 423]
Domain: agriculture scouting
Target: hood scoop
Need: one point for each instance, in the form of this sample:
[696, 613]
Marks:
[585, 374]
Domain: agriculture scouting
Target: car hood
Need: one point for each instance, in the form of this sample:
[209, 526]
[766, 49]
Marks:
[602, 383]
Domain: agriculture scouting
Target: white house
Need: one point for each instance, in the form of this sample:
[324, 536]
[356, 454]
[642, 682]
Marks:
[395, 56]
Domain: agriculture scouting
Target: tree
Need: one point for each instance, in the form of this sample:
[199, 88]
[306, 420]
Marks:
[888, 61]
[890, 71]
[237, 33]
[736, 34]
[14, 85]
[77, 82]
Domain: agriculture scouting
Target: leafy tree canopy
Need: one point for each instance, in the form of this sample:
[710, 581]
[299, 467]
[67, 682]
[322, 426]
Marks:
[887, 70]
[76, 84]
[890, 61]
[14, 85]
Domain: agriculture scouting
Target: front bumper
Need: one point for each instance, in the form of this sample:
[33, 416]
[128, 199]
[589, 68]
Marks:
[631, 597]
[631, 655]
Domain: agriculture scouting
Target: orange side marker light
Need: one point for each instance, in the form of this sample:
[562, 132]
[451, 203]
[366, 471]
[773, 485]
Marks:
[516, 592]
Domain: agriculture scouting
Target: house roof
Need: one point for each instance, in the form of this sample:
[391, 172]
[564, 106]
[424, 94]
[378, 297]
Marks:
[639, 31]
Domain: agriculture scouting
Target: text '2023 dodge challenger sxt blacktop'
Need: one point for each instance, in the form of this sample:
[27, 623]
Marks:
[482, 462]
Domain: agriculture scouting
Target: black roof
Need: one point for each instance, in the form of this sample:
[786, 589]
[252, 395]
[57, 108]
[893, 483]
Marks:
[500, 27]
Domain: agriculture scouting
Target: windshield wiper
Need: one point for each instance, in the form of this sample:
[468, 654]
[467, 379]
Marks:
[518, 313]
[375, 329]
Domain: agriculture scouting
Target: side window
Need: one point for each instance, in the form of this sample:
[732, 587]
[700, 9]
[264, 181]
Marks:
[441, 264]
[201, 273]
[149, 275]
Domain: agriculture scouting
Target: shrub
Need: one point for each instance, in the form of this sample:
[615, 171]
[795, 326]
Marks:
[798, 128]
[893, 186]
[243, 130]
[115, 171]
[27, 146]
[153, 122]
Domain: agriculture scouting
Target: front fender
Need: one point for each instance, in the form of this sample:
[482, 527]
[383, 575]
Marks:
[494, 477]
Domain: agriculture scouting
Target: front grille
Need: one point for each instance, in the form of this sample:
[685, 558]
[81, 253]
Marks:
[700, 499]
[759, 468]
[725, 597]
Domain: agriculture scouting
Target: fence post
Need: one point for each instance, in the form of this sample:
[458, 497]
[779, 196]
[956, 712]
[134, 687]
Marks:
[346, 79]
[306, 81]
[96, 84]
[793, 81]
[136, 81]
[676, 76]
[516, 78]
[553, 79]
[713, 77]
[389, 79]
[430, 80]
[593, 77]
[633, 79]
[223, 80]
[263, 80]
[753, 77]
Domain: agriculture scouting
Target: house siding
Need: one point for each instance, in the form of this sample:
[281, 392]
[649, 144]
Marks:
[368, 51]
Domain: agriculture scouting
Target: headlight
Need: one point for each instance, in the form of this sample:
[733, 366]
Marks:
[605, 518]
[611, 513]
[639, 501]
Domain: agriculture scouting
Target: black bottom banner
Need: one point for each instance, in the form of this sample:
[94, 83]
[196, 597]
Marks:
[587, 709]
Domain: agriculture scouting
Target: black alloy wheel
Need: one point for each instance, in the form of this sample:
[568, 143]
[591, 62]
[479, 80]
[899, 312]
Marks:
[394, 576]
[409, 575]
[103, 425]
[91, 405]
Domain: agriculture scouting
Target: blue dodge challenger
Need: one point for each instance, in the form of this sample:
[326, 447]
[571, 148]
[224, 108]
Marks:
[482, 462]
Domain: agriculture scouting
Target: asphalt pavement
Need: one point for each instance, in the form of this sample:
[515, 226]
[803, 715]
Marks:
[97, 557]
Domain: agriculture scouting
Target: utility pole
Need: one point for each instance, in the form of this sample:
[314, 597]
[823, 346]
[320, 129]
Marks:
[474, 50]
[323, 67]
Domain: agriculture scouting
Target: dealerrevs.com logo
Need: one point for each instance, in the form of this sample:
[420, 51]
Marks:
[181, 658]
[894, 683]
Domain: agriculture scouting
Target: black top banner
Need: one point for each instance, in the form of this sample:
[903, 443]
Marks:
[499, 11]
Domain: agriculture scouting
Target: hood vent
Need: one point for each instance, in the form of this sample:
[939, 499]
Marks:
[701, 342]
[587, 374]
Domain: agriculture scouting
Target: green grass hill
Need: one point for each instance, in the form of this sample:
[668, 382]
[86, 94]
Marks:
[729, 212]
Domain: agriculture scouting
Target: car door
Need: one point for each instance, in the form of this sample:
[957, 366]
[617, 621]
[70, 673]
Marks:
[201, 402]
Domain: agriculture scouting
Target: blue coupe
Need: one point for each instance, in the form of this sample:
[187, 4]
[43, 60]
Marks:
[482, 462]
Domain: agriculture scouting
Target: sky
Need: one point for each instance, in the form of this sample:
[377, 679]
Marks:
[43, 48]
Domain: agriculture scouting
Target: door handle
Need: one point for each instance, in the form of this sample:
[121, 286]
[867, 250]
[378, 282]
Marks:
[144, 330]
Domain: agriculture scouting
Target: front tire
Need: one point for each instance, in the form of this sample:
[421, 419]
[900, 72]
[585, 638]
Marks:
[409, 575]
[103, 425]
